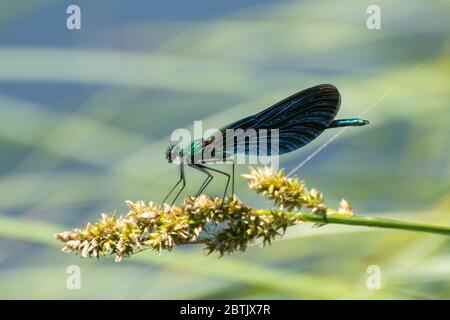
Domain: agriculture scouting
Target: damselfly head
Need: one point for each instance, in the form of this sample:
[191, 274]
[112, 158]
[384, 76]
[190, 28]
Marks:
[173, 153]
[169, 153]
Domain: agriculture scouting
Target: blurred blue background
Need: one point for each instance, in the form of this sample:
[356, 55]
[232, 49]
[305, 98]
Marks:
[86, 116]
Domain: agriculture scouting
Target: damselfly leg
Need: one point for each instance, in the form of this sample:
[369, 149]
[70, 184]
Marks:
[232, 179]
[181, 180]
[204, 168]
[232, 174]
[207, 180]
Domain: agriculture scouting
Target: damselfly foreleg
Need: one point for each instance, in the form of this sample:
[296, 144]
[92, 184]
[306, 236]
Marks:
[181, 180]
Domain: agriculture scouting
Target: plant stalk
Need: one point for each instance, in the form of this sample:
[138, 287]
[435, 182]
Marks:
[370, 222]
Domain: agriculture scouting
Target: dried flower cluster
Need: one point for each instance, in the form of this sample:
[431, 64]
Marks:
[291, 193]
[221, 228]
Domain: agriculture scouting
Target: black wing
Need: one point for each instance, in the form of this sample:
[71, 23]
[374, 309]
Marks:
[299, 118]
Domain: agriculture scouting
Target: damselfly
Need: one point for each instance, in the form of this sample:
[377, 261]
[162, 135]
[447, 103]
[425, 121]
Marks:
[298, 120]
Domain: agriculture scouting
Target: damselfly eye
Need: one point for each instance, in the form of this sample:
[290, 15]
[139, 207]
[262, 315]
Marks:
[169, 154]
[173, 153]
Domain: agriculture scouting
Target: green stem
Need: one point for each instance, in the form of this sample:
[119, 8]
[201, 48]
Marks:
[378, 222]
[371, 222]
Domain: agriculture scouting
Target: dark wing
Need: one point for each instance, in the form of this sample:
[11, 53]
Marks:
[299, 118]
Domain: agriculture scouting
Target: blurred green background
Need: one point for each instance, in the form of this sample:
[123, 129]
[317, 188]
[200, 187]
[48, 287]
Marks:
[86, 116]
